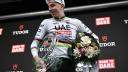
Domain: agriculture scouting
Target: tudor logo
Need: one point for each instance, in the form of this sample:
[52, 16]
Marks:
[105, 42]
[21, 31]
[14, 67]
[21, 27]
[104, 38]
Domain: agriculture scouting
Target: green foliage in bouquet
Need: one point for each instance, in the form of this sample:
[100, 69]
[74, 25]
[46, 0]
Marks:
[86, 48]
[34, 66]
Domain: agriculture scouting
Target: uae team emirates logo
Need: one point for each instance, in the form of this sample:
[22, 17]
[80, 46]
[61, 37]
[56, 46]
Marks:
[1, 31]
[21, 30]
[103, 21]
[106, 64]
[18, 48]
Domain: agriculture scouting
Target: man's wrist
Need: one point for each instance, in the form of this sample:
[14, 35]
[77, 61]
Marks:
[34, 52]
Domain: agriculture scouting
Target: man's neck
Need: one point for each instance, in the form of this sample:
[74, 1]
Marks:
[59, 18]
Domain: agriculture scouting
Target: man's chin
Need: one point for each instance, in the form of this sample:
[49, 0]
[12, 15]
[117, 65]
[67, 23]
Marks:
[55, 16]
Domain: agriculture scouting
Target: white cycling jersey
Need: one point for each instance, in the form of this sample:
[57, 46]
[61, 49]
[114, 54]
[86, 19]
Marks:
[65, 30]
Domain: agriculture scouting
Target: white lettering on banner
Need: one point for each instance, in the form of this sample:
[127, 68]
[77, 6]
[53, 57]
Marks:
[126, 21]
[1, 31]
[20, 32]
[103, 21]
[106, 64]
[18, 48]
[108, 44]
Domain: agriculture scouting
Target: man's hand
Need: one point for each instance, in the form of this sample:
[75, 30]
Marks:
[40, 64]
[96, 37]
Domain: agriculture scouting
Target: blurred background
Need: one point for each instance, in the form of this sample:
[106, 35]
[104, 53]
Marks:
[20, 19]
[8, 7]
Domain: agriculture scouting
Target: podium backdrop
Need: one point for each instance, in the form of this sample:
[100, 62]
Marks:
[111, 26]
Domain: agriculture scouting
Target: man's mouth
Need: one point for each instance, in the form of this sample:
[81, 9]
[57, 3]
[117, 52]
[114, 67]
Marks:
[52, 11]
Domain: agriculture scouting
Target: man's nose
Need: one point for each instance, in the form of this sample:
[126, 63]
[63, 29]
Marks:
[51, 8]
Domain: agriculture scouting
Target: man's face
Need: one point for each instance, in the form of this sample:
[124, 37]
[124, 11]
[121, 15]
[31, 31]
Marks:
[55, 9]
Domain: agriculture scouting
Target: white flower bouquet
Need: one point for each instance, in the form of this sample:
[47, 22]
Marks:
[86, 49]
